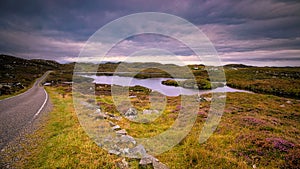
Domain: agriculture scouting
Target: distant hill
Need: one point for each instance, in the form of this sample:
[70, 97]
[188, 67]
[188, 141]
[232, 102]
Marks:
[237, 66]
[17, 73]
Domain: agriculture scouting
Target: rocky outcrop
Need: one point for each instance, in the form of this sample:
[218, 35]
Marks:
[122, 144]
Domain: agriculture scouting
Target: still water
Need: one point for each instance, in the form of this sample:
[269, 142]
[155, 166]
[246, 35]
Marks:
[155, 85]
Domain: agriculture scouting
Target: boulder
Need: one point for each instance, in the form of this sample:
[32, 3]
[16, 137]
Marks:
[131, 113]
[128, 139]
[138, 151]
[147, 159]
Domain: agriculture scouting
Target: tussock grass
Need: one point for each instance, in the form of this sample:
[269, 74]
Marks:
[255, 130]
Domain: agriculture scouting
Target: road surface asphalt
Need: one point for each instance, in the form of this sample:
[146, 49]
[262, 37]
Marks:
[19, 111]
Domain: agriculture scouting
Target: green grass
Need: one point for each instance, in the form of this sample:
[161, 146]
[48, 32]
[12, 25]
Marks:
[277, 81]
[62, 143]
[255, 130]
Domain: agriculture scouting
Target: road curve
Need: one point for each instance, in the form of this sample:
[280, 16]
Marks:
[19, 111]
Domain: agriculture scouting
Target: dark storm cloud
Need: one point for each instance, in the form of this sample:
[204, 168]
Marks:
[57, 29]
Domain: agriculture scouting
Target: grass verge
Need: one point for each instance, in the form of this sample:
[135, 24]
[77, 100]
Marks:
[62, 143]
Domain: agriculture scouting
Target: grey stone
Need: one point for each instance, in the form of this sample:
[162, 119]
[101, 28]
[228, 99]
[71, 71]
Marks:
[99, 115]
[200, 99]
[121, 132]
[150, 111]
[147, 159]
[159, 165]
[127, 139]
[116, 127]
[138, 151]
[132, 112]
[118, 118]
[125, 151]
[208, 99]
[111, 124]
[98, 111]
[114, 152]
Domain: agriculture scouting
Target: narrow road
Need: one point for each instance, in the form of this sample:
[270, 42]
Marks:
[19, 111]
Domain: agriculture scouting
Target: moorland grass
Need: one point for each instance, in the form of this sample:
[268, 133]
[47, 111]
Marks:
[255, 130]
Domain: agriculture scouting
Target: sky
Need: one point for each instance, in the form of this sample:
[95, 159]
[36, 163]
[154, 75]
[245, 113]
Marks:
[260, 33]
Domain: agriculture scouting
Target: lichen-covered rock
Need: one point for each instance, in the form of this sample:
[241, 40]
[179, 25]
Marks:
[147, 159]
[131, 113]
[127, 139]
[138, 151]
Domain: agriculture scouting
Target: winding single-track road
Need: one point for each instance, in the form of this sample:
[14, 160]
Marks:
[19, 111]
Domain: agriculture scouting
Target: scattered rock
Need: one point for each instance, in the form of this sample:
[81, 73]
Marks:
[132, 96]
[98, 111]
[121, 132]
[111, 124]
[282, 105]
[118, 118]
[127, 139]
[147, 159]
[208, 99]
[131, 113]
[288, 102]
[138, 151]
[116, 127]
[159, 165]
[222, 96]
[150, 111]
[200, 99]
[203, 99]
[125, 151]
[114, 152]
